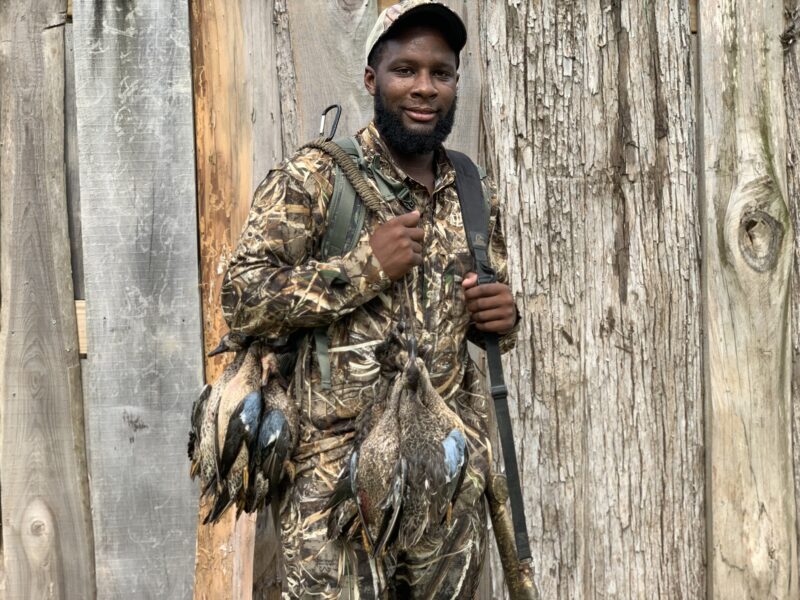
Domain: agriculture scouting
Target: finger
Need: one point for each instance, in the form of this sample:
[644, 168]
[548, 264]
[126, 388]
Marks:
[500, 327]
[487, 290]
[470, 280]
[495, 314]
[415, 247]
[416, 234]
[489, 303]
[408, 219]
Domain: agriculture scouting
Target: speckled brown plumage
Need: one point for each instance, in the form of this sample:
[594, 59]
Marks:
[426, 423]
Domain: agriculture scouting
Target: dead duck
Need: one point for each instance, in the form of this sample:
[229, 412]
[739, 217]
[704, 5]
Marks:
[277, 435]
[367, 499]
[433, 443]
[198, 412]
[232, 342]
[235, 428]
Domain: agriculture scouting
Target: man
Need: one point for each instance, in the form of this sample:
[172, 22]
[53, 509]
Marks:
[413, 258]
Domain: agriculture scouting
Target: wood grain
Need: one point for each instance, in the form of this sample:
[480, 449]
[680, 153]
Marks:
[47, 532]
[792, 98]
[328, 62]
[590, 136]
[747, 247]
[138, 214]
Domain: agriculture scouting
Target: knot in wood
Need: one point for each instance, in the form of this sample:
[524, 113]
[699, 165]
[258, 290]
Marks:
[38, 527]
[760, 238]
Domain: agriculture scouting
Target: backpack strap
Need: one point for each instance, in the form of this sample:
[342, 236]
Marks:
[346, 212]
[475, 214]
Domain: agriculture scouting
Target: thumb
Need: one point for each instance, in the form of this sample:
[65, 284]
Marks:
[470, 280]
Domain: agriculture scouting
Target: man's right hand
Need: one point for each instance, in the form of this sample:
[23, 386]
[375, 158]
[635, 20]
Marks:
[397, 244]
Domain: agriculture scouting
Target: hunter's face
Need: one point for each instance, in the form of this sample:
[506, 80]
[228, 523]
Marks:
[415, 82]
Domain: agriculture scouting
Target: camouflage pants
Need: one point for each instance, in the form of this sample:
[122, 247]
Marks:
[445, 564]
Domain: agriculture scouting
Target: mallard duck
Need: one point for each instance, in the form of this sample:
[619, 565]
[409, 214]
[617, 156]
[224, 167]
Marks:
[433, 443]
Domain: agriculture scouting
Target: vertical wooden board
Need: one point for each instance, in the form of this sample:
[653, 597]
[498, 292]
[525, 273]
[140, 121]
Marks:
[747, 249]
[466, 133]
[138, 213]
[791, 80]
[238, 138]
[47, 533]
[327, 42]
[589, 125]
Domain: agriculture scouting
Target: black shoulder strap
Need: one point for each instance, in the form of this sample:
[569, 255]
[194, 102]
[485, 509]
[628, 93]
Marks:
[474, 213]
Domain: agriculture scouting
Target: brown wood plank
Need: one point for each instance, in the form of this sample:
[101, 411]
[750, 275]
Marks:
[47, 533]
[138, 215]
[238, 138]
[747, 250]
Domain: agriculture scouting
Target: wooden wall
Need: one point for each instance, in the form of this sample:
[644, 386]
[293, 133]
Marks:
[125, 122]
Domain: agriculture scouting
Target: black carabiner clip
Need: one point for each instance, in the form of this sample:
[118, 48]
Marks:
[335, 121]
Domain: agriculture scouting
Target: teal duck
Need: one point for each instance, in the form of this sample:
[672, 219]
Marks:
[277, 435]
[233, 413]
[433, 443]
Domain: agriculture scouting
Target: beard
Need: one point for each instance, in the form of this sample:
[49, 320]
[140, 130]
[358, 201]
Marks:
[405, 141]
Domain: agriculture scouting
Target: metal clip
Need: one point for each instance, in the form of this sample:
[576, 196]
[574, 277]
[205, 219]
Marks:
[335, 121]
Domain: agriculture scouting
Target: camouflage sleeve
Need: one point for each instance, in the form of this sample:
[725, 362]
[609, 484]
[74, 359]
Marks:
[274, 284]
[498, 257]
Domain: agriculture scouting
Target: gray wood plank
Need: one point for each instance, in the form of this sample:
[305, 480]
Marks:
[47, 533]
[467, 129]
[327, 44]
[135, 139]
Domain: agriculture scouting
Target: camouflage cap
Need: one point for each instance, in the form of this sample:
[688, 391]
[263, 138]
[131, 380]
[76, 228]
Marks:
[430, 12]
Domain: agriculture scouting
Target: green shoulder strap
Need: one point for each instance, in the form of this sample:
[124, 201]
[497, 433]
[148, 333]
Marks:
[345, 220]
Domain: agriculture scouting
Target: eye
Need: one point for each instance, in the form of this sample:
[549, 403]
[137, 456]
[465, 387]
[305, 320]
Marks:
[403, 70]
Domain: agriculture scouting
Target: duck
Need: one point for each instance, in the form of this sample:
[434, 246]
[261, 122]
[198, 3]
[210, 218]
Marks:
[276, 438]
[367, 498]
[234, 428]
[198, 412]
[433, 444]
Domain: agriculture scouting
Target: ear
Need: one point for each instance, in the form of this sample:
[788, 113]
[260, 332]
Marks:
[369, 80]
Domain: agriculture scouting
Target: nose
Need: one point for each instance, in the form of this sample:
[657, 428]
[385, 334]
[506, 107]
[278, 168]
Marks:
[423, 84]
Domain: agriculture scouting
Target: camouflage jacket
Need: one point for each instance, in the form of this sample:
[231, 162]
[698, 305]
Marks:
[276, 283]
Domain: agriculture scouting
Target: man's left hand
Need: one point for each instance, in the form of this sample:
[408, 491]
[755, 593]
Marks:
[490, 305]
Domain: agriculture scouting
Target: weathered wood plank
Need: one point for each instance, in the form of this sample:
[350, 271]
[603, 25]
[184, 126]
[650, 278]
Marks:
[590, 136]
[466, 135]
[791, 43]
[238, 138]
[328, 61]
[747, 249]
[138, 213]
[47, 532]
